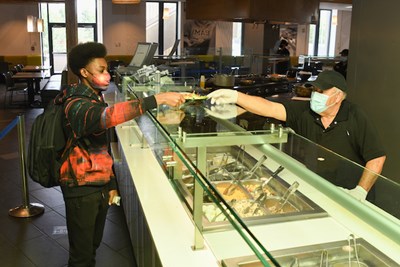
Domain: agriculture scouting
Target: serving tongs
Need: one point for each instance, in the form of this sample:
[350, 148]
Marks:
[324, 261]
[220, 168]
[275, 173]
[350, 238]
[289, 192]
[232, 166]
[260, 202]
[230, 203]
[255, 168]
[235, 181]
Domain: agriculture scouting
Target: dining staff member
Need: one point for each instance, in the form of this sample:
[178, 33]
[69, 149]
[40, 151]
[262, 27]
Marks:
[329, 120]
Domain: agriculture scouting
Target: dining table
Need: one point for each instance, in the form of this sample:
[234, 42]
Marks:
[45, 69]
[33, 80]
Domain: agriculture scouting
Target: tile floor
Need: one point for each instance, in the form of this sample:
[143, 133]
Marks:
[41, 240]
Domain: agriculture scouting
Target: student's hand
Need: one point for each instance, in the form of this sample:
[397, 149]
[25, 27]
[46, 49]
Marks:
[358, 192]
[223, 96]
[111, 195]
[172, 99]
[226, 111]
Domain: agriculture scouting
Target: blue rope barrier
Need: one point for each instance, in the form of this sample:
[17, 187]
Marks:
[8, 128]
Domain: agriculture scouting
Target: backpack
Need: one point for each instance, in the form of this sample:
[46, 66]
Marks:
[46, 145]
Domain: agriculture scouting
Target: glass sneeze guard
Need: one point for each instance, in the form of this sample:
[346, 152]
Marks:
[198, 151]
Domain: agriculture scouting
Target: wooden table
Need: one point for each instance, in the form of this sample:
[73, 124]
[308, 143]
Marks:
[35, 68]
[33, 80]
[45, 70]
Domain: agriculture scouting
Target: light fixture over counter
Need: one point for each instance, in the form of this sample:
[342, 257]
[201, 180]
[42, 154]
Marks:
[34, 24]
[126, 2]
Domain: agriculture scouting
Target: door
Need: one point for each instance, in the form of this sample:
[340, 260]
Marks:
[58, 47]
[54, 43]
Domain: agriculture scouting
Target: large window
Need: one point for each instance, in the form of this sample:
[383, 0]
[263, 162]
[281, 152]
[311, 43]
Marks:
[162, 25]
[322, 37]
[54, 37]
[237, 39]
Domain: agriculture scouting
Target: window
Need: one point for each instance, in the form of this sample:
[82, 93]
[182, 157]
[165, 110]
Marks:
[162, 25]
[54, 46]
[322, 37]
[237, 39]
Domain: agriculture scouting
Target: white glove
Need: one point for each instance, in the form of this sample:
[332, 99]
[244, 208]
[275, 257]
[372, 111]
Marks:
[226, 111]
[358, 192]
[223, 96]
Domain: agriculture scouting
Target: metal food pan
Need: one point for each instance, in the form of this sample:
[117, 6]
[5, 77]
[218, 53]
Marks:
[332, 254]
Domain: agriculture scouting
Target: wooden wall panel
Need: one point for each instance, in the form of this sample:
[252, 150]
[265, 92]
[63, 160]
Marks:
[298, 11]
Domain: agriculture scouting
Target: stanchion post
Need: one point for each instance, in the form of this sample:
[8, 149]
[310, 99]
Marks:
[26, 209]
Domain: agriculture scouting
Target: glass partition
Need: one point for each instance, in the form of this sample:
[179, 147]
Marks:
[251, 185]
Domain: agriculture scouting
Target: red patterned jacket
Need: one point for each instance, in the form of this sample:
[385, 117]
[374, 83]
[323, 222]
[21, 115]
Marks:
[87, 119]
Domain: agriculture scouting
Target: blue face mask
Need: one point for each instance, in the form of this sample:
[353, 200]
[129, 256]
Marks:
[318, 102]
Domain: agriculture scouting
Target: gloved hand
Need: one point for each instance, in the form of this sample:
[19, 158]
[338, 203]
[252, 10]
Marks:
[358, 192]
[223, 96]
[226, 111]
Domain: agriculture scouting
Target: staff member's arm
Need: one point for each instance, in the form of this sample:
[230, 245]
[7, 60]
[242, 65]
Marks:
[368, 178]
[253, 104]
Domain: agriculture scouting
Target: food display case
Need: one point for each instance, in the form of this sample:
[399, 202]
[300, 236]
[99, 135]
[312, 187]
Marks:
[257, 193]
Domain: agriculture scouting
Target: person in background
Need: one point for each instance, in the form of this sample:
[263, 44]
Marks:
[282, 49]
[283, 66]
[199, 36]
[329, 120]
[87, 180]
[341, 66]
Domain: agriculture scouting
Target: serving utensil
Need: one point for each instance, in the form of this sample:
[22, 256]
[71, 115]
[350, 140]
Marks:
[213, 219]
[235, 180]
[261, 186]
[260, 202]
[289, 192]
[255, 167]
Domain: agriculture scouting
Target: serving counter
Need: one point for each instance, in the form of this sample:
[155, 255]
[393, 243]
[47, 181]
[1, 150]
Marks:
[200, 188]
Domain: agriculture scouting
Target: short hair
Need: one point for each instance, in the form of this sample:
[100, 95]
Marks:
[82, 54]
[284, 42]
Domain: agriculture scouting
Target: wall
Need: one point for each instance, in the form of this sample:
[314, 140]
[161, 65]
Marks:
[123, 27]
[253, 44]
[373, 69]
[343, 31]
[223, 37]
[15, 40]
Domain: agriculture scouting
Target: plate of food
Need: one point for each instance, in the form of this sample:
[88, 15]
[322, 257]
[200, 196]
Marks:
[194, 97]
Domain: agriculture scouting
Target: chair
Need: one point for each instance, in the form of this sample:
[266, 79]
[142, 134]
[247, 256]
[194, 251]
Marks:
[11, 87]
[17, 68]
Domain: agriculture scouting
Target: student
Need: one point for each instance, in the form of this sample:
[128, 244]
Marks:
[87, 180]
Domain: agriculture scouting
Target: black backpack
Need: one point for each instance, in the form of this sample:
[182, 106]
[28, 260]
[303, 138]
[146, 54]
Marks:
[46, 146]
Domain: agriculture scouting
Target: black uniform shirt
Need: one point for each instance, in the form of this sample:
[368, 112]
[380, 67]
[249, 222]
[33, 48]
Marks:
[351, 135]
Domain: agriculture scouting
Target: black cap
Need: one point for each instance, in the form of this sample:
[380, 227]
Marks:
[344, 52]
[328, 79]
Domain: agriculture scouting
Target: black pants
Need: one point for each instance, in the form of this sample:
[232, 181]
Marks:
[86, 217]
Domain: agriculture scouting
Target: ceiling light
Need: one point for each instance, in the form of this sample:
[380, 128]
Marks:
[40, 25]
[31, 24]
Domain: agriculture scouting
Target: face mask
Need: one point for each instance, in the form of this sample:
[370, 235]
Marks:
[100, 81]
[318, 102]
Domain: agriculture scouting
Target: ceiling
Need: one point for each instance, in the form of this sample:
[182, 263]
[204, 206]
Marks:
[338, 6]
